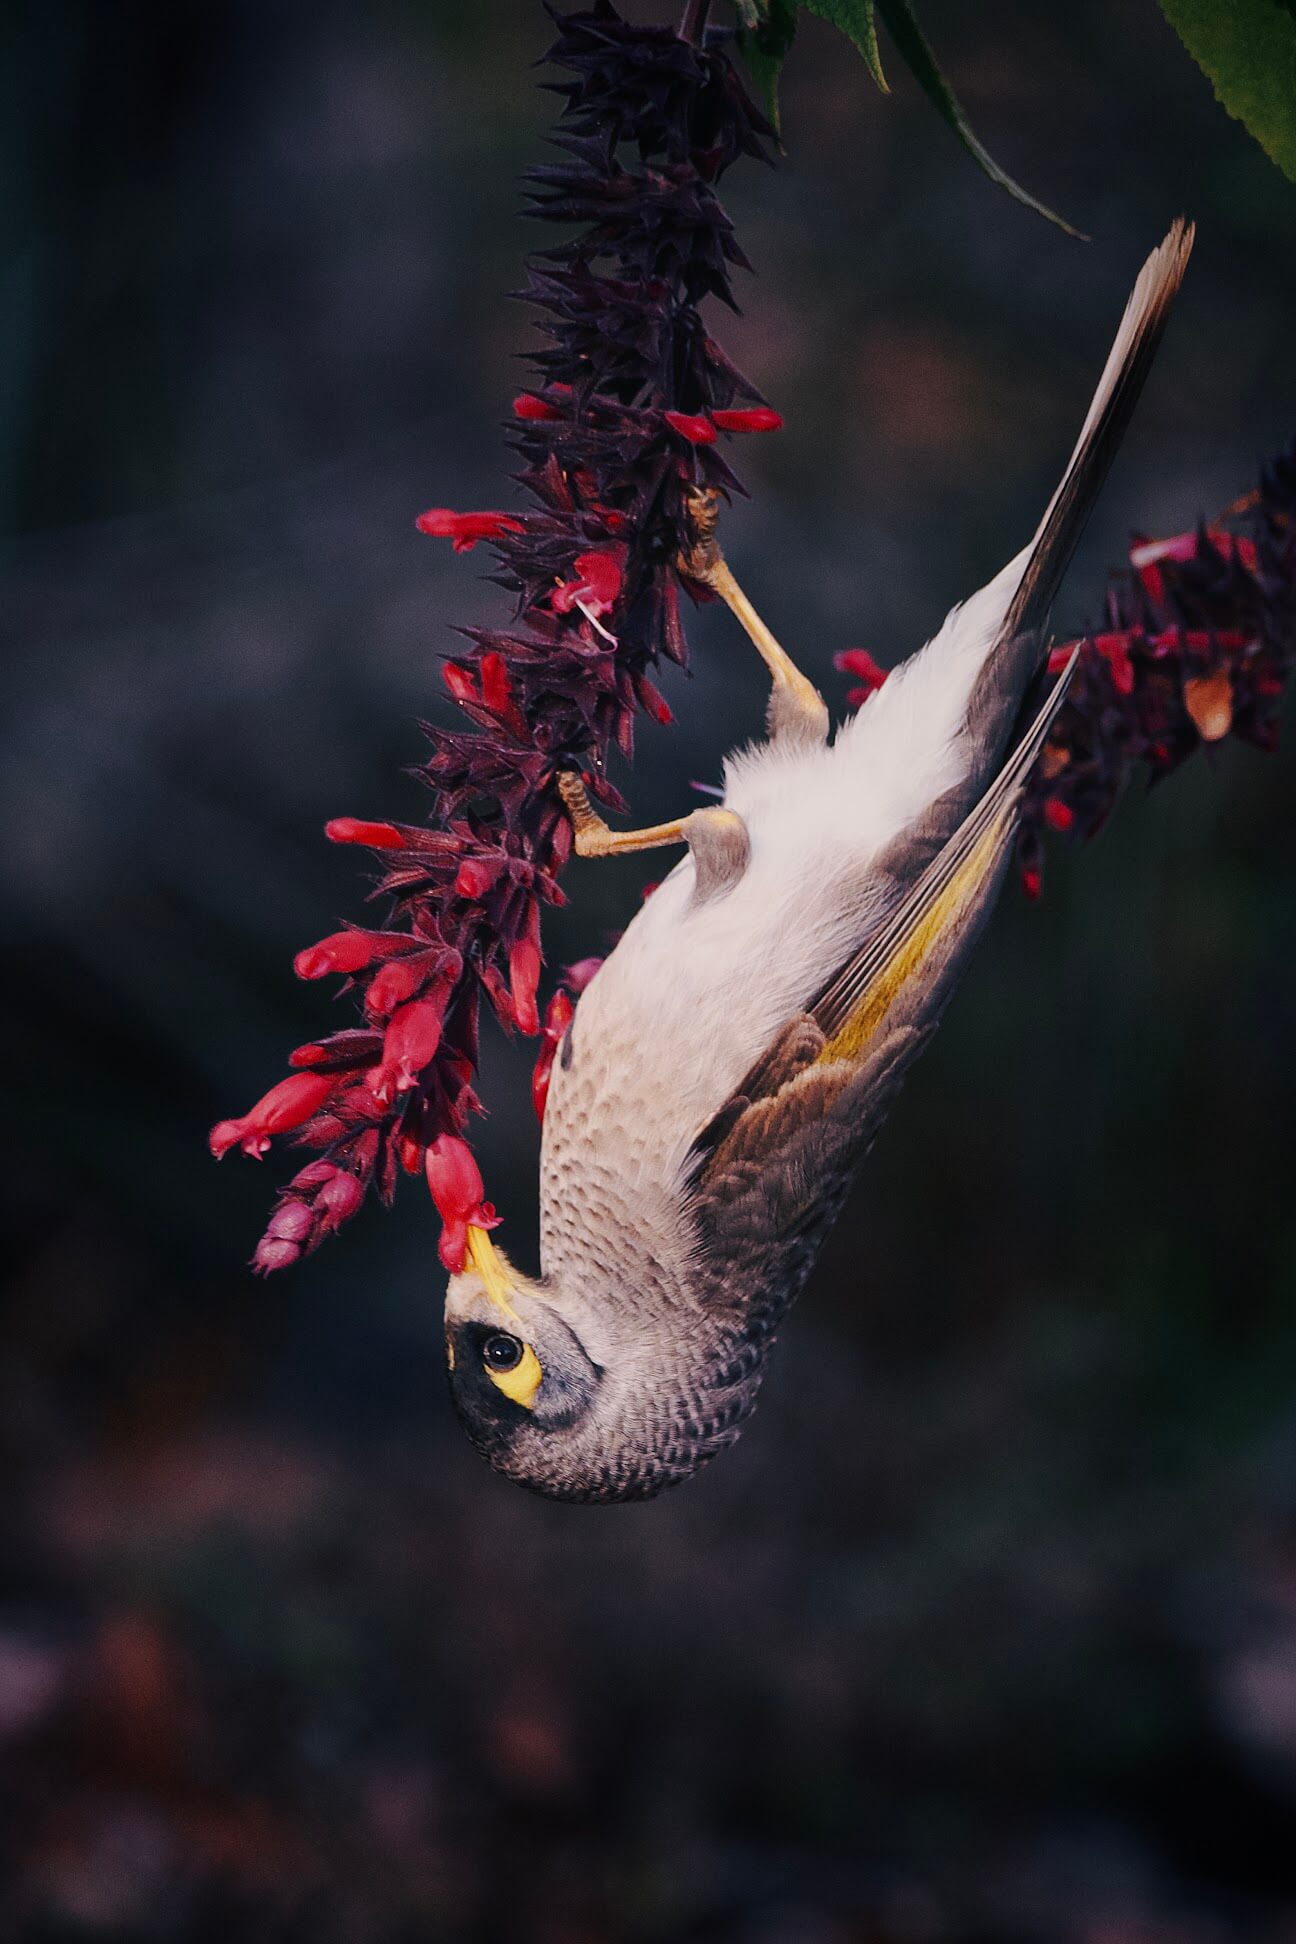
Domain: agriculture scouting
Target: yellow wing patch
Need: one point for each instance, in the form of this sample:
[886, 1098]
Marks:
[916, 935]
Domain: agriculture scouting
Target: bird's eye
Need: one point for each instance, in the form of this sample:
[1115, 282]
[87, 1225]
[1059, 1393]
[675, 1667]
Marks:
[502, 1352]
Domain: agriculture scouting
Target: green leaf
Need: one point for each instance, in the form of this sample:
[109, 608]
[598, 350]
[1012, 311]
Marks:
[908, 37]
[1247, 50]
[767, 31]
[857, 22]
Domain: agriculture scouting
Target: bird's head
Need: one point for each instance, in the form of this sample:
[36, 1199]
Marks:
[553, 1398]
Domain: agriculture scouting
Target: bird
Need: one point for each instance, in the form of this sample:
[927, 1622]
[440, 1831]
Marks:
[729, 1065]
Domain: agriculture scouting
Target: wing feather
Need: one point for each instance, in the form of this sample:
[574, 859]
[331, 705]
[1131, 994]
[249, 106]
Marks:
[769, 1172]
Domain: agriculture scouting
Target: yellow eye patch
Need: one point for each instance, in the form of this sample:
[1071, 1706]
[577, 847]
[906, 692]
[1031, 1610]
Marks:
[522, 1382]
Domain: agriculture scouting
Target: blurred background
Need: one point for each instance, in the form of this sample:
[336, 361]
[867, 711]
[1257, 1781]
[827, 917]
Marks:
[987, 1630]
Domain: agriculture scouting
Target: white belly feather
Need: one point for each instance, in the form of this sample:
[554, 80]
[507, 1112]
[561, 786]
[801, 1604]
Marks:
[692, 995]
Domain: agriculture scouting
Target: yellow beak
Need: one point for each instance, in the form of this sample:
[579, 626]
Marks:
[489, 1264]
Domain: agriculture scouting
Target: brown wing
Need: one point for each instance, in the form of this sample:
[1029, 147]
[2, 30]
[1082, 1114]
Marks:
[771, 1169]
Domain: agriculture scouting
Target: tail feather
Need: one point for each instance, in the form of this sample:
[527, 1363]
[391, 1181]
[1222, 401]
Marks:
[1128, 364]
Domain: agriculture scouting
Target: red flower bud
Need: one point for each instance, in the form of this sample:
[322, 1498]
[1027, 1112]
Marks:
[305, 1056]
[273, 1253]
[696, 427]
[344, 951]
[411, 1153]
[597, 589]
[1032, 881]
[286, 1106]
[524, 977]
[410, 1042]
[653, 700]
[466, 529]
[754, 418]
[351, 830]
[477, 876]
[527, 406]
[394, 983]
[1058, 816]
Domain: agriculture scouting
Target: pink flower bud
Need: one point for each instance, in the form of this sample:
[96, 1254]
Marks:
[696, 427]
[339, 1198]
[344, 951]
[292, 1221]
[273, 1253]
[352, 830]
[576, 977]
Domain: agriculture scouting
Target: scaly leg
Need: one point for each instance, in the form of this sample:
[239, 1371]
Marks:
[717, 838]
[796, 706]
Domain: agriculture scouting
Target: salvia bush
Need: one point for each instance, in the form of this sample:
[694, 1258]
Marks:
[632, 404]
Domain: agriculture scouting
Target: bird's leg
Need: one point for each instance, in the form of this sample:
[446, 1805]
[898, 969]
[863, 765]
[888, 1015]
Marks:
[796, 706]
[717, 838]
[592, 836]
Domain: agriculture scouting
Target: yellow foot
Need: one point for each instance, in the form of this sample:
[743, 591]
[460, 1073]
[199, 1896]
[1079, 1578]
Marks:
[717, 838]
[796, 706]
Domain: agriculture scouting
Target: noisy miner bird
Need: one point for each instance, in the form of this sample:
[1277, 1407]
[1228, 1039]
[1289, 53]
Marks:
[730, 1063]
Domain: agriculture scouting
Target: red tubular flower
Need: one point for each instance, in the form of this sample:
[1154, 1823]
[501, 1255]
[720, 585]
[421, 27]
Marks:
[410, 1042]
[754, 418]
[344, 951]
[696, 427]
[596, 589]
[524, 973]
[455, 1183]
[394, 983]
[558, 1017]
[466, 529]
[286, 1106]
[352, 830]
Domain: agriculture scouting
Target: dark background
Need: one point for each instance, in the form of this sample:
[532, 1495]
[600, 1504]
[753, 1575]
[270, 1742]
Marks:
[987, 1630]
